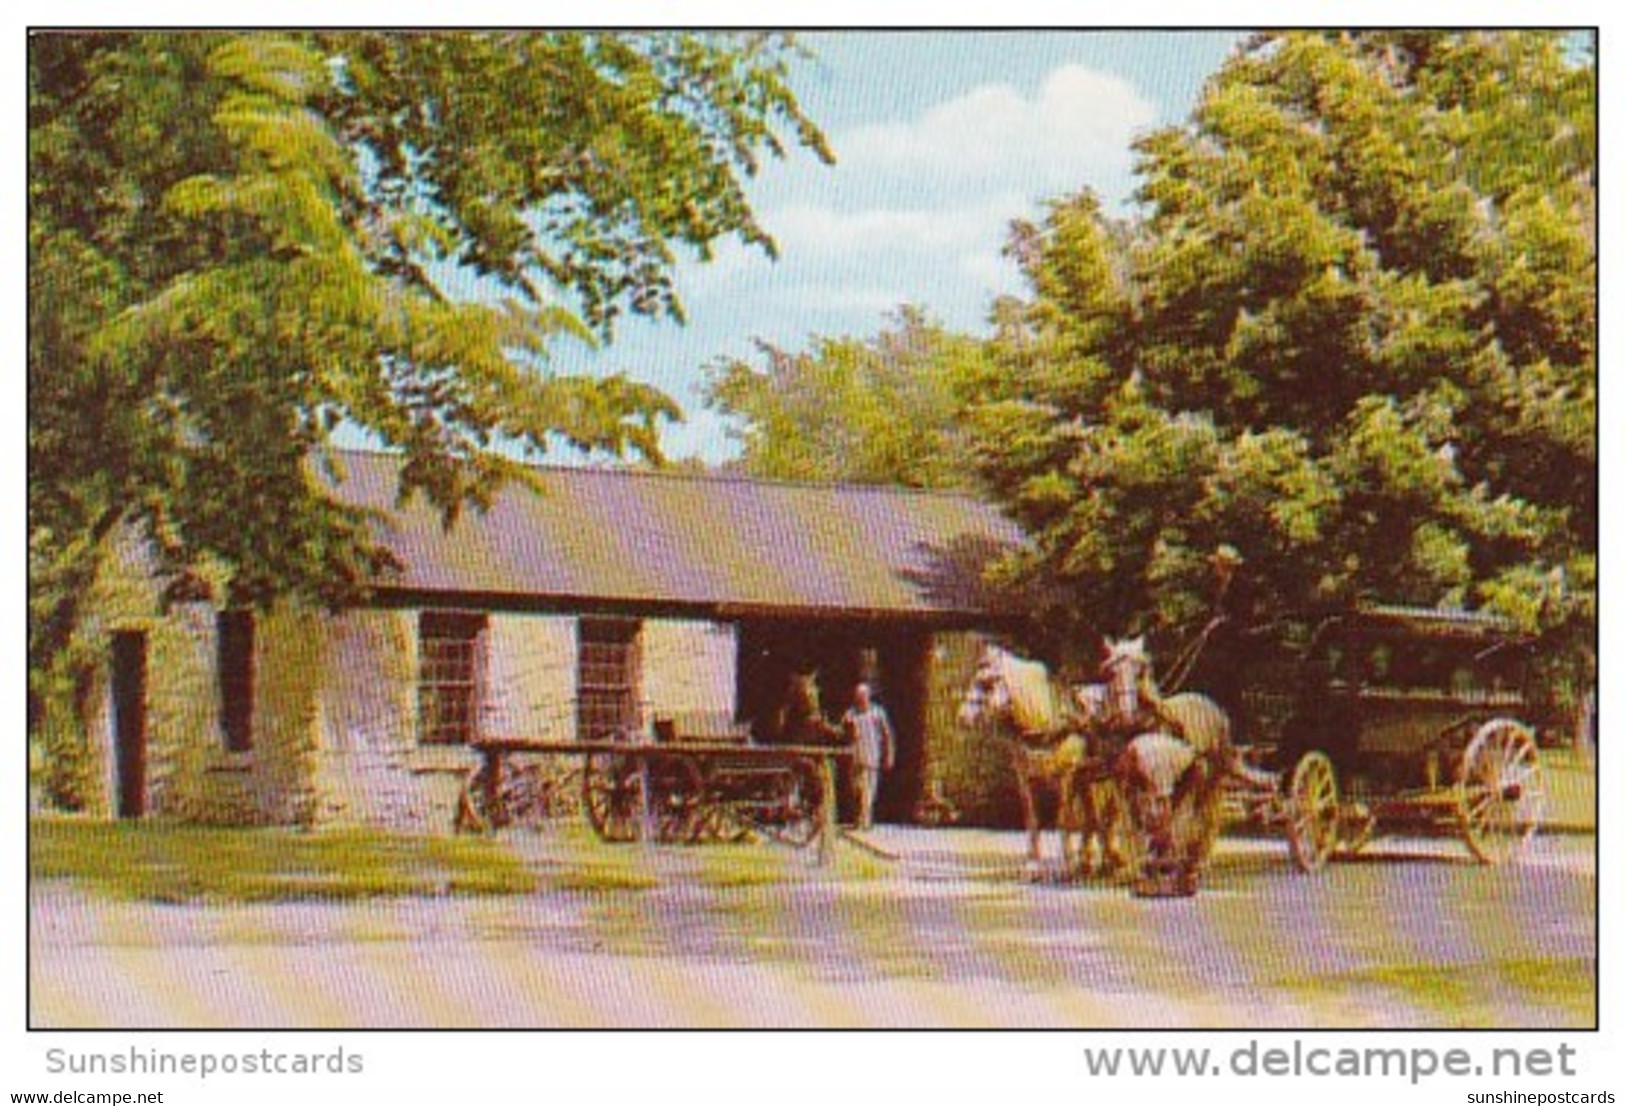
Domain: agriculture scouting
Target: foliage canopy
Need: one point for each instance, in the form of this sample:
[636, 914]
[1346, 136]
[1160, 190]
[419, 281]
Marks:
[1350, 333]
[241, 242]
[881, 410]
[1347, 331]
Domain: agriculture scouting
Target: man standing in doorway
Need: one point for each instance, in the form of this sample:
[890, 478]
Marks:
[874, 749]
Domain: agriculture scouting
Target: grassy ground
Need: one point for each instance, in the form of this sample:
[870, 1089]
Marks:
[166, 862]
[1571, 786]
[755, 935]
[1466, 996]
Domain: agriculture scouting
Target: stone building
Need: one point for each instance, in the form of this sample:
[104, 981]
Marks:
[598, 600]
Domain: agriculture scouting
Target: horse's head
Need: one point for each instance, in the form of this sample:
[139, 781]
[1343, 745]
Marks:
[1127, 671]
[802, 699]
[801, 719]
[988, 695]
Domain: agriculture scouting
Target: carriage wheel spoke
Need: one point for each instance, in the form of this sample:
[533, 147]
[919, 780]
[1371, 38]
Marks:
[1312, 825]
[1501, 792]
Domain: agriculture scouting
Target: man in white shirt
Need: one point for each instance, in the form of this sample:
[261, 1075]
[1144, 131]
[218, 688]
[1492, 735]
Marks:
[874, 749]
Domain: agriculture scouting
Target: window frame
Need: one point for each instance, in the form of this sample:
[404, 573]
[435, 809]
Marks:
[609, 676]
[451, 676]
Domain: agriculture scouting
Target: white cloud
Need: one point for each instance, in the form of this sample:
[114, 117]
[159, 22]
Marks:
[918, 210]
[915, 212]
[842, 270]
[826, 230]
[932, 197]
[1074, 131]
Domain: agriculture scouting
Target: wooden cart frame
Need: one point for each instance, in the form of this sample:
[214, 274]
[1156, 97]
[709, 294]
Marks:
[634, 789]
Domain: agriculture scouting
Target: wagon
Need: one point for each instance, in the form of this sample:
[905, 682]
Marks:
[695, 792]
[1408, 719]
[666, 785]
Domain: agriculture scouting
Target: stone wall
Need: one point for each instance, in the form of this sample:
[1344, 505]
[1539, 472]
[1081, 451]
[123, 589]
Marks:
[334, 719]
[190, 775]
[530, 682]
[370, 768]
[688, 668]
[182, 701]
[194, 777]
[122, 599]
[363, 771]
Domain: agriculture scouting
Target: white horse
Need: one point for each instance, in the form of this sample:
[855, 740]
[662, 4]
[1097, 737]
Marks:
[1175, 755]
[1051, 746]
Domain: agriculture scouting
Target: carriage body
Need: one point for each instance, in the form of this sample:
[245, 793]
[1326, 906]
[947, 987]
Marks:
[1410, 718]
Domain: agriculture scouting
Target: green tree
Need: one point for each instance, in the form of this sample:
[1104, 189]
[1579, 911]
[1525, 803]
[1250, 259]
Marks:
[1350, 331]
[878, 410]
[239, 243]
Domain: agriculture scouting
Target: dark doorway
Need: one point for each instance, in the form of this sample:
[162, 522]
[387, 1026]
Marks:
[892, 660]
[903, 682]
[130, 721]
[770, 652]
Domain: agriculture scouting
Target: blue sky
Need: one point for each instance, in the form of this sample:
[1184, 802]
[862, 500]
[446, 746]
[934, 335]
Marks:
[941, 139]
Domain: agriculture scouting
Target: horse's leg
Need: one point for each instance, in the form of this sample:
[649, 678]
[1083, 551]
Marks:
[1136, 804]
[1029, 813]
[1212, 795]
[1070, 825]
[1193, 813]
[1086, 822]
[1111, 826]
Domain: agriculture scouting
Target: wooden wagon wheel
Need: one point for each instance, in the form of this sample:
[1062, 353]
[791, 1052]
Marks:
[712, 823]
[471, 816]
[710, 816]
[797, 799]
[480, 808]
[612, 793]
[681, 800]
[1312, 812]
[1208, 806]
[1501, 791]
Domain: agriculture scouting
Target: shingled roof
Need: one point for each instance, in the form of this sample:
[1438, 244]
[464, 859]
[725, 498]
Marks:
[603, 537]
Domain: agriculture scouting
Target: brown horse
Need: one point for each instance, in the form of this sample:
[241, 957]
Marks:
[1051, 748]
[800, 720]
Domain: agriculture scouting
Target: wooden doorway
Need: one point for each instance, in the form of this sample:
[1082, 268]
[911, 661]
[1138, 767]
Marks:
[130, 721]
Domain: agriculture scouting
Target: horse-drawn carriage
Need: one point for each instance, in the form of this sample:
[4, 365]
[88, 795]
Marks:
[1402, 719]
[1408, 719]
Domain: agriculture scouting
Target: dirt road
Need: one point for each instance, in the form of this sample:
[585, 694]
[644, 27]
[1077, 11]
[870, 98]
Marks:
[1411, 936]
